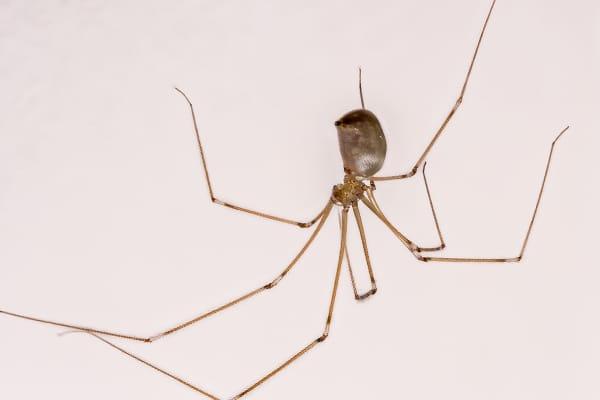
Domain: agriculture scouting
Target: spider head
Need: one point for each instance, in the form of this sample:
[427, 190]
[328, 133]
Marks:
[362, 142]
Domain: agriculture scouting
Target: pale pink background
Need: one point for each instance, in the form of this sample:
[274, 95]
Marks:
[105, 218]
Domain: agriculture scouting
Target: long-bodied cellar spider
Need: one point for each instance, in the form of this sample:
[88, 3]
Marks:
[363, 150]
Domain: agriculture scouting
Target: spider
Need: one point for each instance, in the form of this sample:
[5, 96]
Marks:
[363, 149]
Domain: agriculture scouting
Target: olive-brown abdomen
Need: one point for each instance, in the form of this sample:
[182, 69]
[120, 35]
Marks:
[362, 143]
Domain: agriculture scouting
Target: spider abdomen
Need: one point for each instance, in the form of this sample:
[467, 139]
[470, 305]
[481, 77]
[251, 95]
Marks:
[362, 143]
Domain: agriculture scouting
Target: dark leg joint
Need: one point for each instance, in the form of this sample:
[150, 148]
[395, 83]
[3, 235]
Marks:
[421, 258]
[422, 249]
[458, 102]
[323, 338]
[274, 283]
[366, 295]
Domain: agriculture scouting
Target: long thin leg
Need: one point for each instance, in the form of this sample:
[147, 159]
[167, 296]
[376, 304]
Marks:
[154, 367]
[377, 211]
[374, 207]
[350, 269]
[416, 250]
[442, 245]
[362, 100]
[325, 333]
[289, 361]
[215, 200]
[179, 327]
[457, 104]
[529, 228]
[357, 295]
[363, 239]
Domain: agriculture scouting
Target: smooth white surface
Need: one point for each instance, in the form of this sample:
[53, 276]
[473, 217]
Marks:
[106, 219]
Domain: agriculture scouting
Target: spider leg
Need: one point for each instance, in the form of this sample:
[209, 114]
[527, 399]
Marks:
[149, 339]
[519, 257]
[415, 250]
[362, 100]
[154, 367]
[218, 201]
[377, 211]
[442, 245]
[455, 108]
[358, 296]
[285, 364]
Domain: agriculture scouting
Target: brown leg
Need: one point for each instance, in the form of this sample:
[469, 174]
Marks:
[529, 228]
[416, 250]
[215, 200]
[362, 100]
[457, 104]
[325, 333]
[179, 327]
[350, 270]
[154, 367]
[442, 245]
[363, 238]
[289, 361]
[377, 211]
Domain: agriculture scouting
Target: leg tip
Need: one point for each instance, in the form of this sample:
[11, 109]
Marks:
[561, 133]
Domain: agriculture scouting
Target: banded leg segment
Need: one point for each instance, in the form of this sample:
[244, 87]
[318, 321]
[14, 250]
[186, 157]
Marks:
[328, 322]
[371, 196]
[363, 239]
[519, 257]
[379, 214]
[442, 244]
[415, 250]
[149, 364]
[215, 200]
[186, 324]
[453, 111]
[285, 364]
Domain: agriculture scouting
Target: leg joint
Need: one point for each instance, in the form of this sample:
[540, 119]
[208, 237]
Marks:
[323, 337]
[274, 283]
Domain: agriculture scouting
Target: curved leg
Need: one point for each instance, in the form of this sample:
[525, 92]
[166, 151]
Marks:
[415, 250]
[285, 364]
[363, 239]
[442, 245]
[519, 257]
[149, 339]
[215, 200]
[457, 104]
[379, 214]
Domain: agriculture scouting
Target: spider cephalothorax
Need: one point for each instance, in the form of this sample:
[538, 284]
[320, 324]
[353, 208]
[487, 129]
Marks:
[347, 193]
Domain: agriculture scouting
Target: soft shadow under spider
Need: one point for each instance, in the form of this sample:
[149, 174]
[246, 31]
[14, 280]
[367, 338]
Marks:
[363, 148]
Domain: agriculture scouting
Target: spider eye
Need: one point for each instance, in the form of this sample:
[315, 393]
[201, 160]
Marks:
[337, 123]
